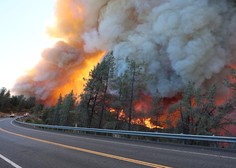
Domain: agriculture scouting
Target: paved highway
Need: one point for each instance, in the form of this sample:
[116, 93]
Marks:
[28, 148]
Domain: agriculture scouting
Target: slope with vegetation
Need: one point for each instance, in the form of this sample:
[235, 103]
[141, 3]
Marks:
[111, 101]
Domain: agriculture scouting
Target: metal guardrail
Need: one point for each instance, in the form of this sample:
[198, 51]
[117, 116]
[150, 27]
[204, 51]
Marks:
[135, 133]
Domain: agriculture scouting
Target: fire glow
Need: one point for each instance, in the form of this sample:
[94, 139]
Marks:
[141, 112]
[138, 121]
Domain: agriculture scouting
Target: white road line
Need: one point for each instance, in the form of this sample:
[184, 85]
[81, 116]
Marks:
[9, 161]
[144, 146]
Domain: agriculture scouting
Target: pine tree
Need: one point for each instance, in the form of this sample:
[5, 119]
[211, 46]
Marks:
[89, 99]
[4, 99]
[157, 110]
[56, 111]
[21, 104]
[67, 106]
[127, 87]
[119, 87]
[93, 99]
[106, 72]
[30, 102]
[135, 82]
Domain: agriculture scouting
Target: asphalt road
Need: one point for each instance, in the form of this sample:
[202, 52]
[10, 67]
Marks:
[28, 148]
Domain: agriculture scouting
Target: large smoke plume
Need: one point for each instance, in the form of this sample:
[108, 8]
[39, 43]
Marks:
[179, 41]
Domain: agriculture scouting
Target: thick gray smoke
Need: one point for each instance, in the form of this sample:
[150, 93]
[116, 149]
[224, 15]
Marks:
[179, 40]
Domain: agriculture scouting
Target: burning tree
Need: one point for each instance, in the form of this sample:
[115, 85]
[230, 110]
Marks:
[118, 103]
[157, 111]
[199, 113]
[124, 93]
[126, 88]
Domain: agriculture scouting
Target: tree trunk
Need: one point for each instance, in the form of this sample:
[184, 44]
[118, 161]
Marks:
[103, 106]
[131, 99]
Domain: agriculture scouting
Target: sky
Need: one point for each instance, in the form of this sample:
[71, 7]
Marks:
[22, 36]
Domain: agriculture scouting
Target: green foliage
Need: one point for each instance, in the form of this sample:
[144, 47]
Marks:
[30, 102]
[63, 112]
[56, 111]
[47, 115]
[22, 102]
[38, 108]
[4, 99]
[67, 106]
[17, 103]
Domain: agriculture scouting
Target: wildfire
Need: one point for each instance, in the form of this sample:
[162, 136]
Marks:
[119, 113]
[172, 52]
[138, 121]
[143, 105]
[64, 66]
[75, 81]
[150, 125]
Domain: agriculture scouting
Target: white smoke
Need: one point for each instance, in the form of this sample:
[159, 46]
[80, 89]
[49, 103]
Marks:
[179, 41]
[51, 72]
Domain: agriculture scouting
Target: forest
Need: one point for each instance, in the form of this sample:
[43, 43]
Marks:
[120, 102]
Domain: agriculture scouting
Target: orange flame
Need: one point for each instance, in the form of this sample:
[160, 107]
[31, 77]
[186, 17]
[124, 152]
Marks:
[75, 80]
[139, 121]
[120, 113]
[150, 125]
[143, 104]
[63, 67]
[69, 26]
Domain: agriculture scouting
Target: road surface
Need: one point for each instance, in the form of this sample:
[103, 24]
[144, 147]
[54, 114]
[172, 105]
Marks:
[22, 147]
